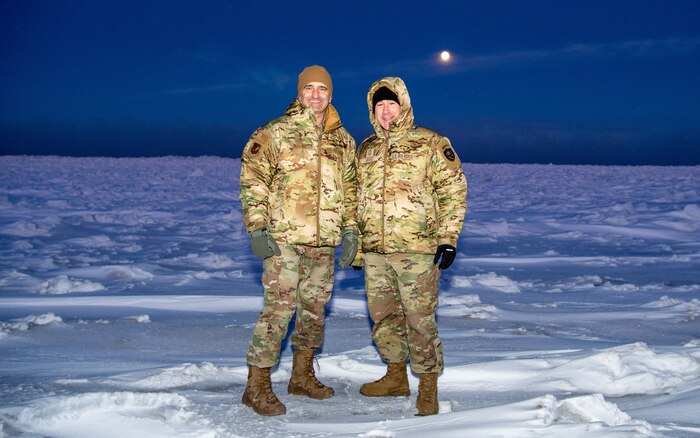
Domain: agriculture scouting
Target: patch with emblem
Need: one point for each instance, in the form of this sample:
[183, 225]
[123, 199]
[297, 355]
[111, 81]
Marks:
[260, 140]
[449, 153]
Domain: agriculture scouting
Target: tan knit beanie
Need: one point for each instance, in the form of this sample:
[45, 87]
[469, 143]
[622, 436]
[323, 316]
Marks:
[315, 73]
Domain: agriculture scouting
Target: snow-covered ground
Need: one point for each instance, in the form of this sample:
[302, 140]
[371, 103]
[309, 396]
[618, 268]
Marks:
[128, 292]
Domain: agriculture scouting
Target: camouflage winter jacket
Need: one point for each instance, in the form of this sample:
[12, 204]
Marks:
[412, 192]
[299, 180]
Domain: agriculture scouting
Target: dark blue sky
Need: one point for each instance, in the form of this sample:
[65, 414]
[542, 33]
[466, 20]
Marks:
[560, 81]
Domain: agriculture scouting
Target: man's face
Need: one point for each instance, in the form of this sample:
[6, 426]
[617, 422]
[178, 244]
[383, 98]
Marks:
[386, 111]
[315, 96]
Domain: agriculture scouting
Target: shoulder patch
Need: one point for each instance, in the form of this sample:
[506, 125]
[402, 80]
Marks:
[259, 141]
[448, 154]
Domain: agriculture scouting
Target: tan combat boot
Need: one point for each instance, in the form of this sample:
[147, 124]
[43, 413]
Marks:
[303, 380]
[427, 402]
[394, 383]
[258, 393]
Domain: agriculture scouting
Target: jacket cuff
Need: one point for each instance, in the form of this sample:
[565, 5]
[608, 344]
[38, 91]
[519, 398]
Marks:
[255, 225]
[448, 241]
[359, 259]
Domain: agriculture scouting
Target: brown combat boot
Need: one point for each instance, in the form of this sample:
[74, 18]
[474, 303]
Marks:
[258, 393]
[427, 402]
[393, 384]
[303, 380]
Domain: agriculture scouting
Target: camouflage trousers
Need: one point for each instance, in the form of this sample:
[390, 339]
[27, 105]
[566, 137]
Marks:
[402, 294]
[300, 280]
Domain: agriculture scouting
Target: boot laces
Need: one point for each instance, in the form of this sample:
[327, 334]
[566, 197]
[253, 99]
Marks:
[384, 378]
[312, 376]
[267, 392]
[389, 375]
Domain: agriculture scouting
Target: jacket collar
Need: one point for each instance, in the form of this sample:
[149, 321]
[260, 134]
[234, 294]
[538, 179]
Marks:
[331, 119]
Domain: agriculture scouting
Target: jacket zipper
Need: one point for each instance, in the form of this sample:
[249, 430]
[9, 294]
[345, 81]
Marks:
[385, 164]
[318, 190]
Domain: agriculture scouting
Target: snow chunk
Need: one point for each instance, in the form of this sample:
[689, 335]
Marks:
[588, 282]
[206, 261]
[468, 306]
[22, 245]
[691, 211]
[188, 375]
[24, 324]
[44, 319]
[378, 433]
[497, 229]
[487, 281]
[99, 241]
[197, 173]
[19, 281]
[127, 272]
[113, 272]
[141, 319]
[25, 228]
[541, 416]
[110, 414]
[629, 369]
[691, 309]
[591, 408]
[615, 372]
[63, 285]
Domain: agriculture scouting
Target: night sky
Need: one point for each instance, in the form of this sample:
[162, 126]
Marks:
[561, 81]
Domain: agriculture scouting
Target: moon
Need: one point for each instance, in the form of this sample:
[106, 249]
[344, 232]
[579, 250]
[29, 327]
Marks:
[445, 56]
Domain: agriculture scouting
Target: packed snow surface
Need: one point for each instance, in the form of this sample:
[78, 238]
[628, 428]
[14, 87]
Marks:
[128, 292]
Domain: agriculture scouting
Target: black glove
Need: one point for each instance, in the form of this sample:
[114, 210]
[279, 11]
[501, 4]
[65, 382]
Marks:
[357, 268]
[448, 253]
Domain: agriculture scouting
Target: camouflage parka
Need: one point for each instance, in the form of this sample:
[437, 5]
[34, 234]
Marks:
[299, 180]
[412, 192]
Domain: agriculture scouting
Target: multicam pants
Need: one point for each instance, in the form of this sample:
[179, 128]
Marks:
[402, 293]
[300, 280]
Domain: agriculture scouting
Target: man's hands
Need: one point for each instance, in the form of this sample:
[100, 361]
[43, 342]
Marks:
[447, 253]
[263, 244]
[349, 243]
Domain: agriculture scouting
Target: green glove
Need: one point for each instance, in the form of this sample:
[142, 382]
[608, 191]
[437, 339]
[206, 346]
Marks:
[349, 250]
[263, 244]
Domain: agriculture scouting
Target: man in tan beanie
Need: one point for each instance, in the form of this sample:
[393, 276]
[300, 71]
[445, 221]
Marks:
[315, 90]
[299, 202]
